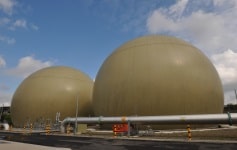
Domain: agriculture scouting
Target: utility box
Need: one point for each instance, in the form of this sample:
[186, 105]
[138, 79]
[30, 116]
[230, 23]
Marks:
[81, 128]
[120, 129]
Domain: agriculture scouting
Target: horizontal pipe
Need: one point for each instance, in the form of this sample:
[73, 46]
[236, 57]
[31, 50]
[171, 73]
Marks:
[229, 118]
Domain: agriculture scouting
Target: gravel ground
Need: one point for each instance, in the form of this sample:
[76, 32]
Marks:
[211, 134]
[225, 134]
[203, 139]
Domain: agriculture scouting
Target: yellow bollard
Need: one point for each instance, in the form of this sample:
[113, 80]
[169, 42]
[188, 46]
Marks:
[114, 130]
[47, 129]
[189, 133]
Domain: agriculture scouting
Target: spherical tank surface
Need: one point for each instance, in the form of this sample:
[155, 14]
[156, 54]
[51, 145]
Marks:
[157, 75]
[48, 91]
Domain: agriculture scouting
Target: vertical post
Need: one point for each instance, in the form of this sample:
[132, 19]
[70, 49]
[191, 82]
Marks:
[128, 128]
[75, 130]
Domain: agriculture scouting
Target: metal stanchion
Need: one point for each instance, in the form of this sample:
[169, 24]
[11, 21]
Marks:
[129, 128]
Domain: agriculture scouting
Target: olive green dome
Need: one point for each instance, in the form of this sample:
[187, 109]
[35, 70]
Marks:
[157, 75]
[48, 91]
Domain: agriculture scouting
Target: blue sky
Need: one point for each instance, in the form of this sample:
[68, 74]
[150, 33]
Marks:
[82, 33]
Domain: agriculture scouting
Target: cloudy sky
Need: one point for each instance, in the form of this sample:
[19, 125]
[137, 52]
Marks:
[81, 34]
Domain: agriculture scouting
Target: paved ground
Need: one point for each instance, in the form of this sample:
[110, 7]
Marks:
[108, 143]
[8, 145]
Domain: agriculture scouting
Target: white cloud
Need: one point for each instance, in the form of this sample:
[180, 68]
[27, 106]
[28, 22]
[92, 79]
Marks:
[211, 30]
[22, 23]
[27, 65]
[19, 23]
[7, 40]
[230, 97]
[7, 6]
[5, 96]
[226, 65]
[34, 27]
[2, 62]
[178, 8]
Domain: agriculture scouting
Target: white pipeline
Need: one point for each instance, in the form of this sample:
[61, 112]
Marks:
[229, 118]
